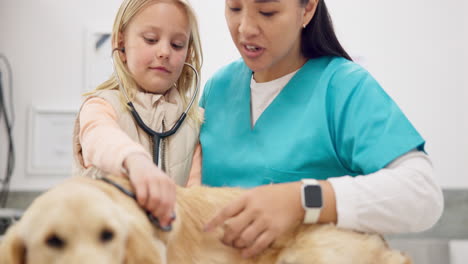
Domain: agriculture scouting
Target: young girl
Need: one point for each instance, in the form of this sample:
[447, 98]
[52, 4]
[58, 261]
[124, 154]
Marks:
[152, 39]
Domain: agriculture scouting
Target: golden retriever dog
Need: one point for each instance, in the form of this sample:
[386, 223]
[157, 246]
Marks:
[90, 221]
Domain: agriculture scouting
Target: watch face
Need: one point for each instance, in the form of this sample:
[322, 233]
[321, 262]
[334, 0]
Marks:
[313, 196]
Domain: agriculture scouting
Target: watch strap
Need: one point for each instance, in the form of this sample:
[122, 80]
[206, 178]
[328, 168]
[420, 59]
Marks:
[311, 215]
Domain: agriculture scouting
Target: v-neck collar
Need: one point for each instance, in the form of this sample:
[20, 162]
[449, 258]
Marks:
[286, 92]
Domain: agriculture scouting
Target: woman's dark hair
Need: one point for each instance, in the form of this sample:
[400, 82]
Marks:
[318, 37]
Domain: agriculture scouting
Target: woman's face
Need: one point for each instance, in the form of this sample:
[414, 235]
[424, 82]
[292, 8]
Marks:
[267, 34]
[156, 43]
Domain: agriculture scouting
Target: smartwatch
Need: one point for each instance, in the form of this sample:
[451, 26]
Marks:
[311, 194]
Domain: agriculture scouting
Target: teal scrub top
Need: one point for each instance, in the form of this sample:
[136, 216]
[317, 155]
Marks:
[331, 119]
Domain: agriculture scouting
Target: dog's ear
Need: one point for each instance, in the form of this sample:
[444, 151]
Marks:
[142, 247]
[12, 247]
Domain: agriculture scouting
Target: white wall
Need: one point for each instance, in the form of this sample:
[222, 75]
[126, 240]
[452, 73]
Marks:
[416, 49]
[44, 39]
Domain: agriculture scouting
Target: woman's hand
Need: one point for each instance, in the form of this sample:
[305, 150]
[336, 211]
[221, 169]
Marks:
[155, 190]
[257, 218]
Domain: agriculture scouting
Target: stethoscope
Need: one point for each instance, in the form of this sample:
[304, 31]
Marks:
[156, 136]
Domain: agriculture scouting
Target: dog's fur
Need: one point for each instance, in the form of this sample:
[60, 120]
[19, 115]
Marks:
[89, 221]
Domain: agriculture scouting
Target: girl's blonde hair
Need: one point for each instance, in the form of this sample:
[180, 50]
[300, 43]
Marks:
[187, 79]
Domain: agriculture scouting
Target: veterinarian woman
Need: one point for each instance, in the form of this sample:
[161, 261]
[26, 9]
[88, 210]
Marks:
[296, 107]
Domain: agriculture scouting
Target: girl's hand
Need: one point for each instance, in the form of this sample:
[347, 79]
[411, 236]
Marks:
[257, 218]
[155, 190]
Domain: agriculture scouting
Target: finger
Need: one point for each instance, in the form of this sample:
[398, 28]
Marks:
[154, 197]
[234, 227]
[261, 243]
[226, 213]
[166, 203]
[173, 199]
[141, 191]
[250, 234]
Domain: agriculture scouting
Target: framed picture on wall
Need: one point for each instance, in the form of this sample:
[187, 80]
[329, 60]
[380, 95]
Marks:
[49, 141]
[97, 64]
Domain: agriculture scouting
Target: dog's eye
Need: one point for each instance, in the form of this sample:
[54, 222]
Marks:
[106, 235]
[55, 242]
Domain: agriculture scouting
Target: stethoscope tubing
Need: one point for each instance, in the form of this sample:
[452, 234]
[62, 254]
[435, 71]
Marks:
[157, 136]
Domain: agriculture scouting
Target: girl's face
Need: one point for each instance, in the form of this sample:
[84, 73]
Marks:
[267, 34]
[156, 43]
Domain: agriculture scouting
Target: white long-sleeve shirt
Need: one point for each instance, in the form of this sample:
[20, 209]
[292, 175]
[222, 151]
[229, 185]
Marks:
[400, 198]
[403, 197]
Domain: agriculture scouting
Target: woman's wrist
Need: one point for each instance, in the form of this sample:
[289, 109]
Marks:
[328, 213]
